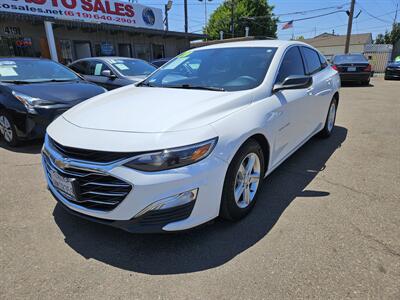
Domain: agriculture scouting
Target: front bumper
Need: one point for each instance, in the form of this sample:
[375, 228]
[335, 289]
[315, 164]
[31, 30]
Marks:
[355, 76]
[32, 126]
[147, 188]
[392, 73]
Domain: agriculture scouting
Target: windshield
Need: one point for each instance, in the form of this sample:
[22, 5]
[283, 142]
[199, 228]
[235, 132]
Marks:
[223, 69]
[34, 70]
[132, 67]
[350, 58]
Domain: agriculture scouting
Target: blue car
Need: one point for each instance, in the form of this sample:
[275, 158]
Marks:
[33, 92]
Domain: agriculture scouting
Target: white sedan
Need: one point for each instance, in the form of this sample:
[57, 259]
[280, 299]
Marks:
[194, 140]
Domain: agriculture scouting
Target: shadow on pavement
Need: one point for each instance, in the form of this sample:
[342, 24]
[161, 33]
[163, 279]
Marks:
[28, 147]
[209, 246]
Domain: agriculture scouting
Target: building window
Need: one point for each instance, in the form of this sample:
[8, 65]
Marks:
[142, 51]
[158, 51]
[66, 52]
[125, 50]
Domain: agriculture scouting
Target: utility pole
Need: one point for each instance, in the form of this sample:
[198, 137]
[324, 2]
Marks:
[349, 25]
[186, 16]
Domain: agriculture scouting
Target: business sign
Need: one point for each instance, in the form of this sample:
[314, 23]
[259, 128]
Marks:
[93, 11]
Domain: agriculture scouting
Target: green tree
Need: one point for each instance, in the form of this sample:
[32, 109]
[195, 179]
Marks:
[256, 14]
[389, 37]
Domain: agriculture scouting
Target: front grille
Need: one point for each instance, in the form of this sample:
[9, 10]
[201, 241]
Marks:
[93, 189]
[90, 155]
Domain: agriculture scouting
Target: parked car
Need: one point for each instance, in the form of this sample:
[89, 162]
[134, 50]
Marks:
[392, 71]
[170, 155]
[353, 68]
[112, 72]
[160, 62]
[33, 92]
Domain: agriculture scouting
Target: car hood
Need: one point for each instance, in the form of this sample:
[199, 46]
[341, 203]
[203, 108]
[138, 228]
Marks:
[152, 110]
[394, 65]
[60, 92]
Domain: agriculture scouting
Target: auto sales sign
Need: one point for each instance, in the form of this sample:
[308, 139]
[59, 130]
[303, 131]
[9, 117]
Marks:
[94, 11]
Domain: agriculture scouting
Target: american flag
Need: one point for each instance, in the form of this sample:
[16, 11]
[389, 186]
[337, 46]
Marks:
[287, 25]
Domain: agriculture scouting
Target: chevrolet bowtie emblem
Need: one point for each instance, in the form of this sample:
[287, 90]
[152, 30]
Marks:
[62, 164]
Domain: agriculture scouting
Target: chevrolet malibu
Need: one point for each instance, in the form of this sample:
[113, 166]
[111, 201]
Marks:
[194, 140]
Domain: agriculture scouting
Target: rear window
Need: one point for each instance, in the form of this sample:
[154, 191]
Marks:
[349, 58]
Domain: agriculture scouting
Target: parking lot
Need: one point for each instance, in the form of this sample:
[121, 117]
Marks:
[326, 225]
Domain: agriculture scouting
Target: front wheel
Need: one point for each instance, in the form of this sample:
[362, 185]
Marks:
[7, 129]
[242, 181]
[330, 119]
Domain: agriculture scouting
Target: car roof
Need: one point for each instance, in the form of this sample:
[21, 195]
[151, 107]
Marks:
[254, 43]
[108, 58]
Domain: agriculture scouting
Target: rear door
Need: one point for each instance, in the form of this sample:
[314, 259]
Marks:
[321, 92]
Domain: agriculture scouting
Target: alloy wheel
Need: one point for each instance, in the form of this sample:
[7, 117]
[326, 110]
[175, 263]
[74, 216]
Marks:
[247, 180]
[5, 128]
[331, 116]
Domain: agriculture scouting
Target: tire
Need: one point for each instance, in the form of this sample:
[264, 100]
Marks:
[235, 208]
[7, 129]
[329, 122]
[365, 82]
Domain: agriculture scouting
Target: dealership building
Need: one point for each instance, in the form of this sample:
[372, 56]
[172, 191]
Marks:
[66, 30]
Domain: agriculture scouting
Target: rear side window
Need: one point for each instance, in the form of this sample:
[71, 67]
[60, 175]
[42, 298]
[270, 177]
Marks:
[311, 58]
[292, 64]
[323, 61]
[80, 67]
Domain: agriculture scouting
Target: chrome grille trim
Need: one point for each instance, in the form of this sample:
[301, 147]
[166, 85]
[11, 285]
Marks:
[96, 188]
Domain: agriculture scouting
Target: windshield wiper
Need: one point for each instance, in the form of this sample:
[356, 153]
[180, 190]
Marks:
[17, 81]
[195, 87]
[56, 80]
[143, 83]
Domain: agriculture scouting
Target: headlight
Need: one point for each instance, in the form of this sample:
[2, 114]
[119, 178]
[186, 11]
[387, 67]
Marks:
[31, 102]
[172, 158]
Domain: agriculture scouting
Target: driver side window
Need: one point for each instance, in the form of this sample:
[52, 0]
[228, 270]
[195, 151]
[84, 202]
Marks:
[292, 64]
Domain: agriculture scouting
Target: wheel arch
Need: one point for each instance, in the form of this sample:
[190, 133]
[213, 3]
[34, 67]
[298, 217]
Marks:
[336, 96]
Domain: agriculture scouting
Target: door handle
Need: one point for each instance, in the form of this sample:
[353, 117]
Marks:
[310, 90]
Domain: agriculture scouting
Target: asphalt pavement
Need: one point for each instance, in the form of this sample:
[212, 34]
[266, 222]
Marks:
[326, 225]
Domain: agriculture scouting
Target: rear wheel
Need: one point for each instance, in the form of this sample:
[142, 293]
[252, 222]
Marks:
[365, 82]
[330, 119]
[7, 129]
[242, 181]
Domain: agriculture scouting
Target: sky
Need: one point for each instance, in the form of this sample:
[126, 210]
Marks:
[376, 15]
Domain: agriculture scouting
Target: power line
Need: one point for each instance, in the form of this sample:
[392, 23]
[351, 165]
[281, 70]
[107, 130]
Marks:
[311, 10]
[375, 17]
[313, 17]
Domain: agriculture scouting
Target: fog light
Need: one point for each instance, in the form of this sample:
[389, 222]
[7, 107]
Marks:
[173, 201]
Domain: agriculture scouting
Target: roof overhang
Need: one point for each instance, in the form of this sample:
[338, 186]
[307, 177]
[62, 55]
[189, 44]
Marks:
[77, 24]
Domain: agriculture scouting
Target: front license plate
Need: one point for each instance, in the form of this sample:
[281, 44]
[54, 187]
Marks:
[61, 183]
[351, 69]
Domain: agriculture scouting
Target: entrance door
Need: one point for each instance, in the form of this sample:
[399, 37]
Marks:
[124, 50]
[82, 50]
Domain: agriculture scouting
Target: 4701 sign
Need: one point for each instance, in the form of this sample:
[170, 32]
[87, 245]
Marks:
[103, 11]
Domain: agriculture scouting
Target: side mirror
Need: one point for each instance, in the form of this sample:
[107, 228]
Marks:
[293, 82]
[107, 73]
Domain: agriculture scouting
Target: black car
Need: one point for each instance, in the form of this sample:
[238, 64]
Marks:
[33, 92]
[160, 62]
[112, 72]
[353, 68]
[392, 71]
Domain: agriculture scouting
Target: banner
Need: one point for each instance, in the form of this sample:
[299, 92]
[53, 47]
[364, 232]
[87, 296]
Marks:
[93, 11]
